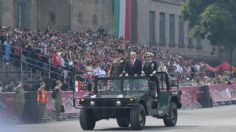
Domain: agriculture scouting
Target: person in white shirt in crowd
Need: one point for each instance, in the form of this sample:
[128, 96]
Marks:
[178, 70]
[162, 67]
[1, 86]
[71, 64]
[63, 65]
[197, 67]
[99, 72]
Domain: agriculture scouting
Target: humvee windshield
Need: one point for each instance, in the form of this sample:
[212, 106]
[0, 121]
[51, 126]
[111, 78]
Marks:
[122, 85]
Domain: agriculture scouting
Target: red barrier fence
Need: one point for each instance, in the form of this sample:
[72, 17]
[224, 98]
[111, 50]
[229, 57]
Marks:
[67, 100]
[7, 101]
[222, 93]
[190, 98]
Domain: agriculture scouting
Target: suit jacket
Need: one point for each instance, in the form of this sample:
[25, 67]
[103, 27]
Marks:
[136, 68]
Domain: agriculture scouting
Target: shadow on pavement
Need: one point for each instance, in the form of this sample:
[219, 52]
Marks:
[148, 128]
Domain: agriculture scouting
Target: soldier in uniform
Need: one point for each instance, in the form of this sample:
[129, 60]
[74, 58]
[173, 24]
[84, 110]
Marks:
[118, 65]
[58, 99]
[42, 100]
[150, 68]
[20, 99]
[118, 68]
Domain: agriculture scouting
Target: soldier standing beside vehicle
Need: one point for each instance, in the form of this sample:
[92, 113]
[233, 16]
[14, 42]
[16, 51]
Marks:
[58, 99]
[20, 99]
[42, 100]
[119, 64]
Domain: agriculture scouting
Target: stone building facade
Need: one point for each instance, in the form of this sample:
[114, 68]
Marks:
[91, 14]
[159, 22]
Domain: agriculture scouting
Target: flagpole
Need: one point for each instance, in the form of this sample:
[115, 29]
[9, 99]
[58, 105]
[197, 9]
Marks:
[74, 87]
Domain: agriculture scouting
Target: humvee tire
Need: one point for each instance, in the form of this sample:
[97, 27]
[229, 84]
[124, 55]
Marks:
[171, 119]
[86, 120]
[122, 122]
[138, 117]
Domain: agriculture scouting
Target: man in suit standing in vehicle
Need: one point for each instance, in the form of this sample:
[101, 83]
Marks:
[133, 66]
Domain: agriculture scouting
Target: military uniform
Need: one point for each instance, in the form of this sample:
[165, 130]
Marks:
[58, 99]
[118, 67]
[119, 64]
[20, 100]
[150, 70]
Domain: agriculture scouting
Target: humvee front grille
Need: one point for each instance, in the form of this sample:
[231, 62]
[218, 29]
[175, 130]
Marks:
[102, 103]
[107, 102]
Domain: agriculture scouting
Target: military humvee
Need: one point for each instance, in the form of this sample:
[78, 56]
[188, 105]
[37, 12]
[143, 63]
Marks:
[129, 100]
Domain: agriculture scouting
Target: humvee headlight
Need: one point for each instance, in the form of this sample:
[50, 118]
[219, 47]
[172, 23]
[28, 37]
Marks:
[118, 103]
[92, 103]
[81, 100]
[131, 99]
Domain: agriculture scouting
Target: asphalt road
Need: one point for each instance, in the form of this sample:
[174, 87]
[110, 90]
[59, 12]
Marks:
[216, 119]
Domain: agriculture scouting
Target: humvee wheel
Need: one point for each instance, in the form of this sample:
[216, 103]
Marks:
[86, 120]
[138, 117]
[122, 122]
[171, 119]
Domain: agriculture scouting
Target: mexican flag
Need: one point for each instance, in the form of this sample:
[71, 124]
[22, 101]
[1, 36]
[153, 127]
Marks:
[125, 18]
[77, 86]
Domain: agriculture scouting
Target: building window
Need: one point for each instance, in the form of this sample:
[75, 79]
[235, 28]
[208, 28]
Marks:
[24, 13]
[152, 39]
[199, 43]
[52, 18]
[96, 2]
[172, 30]
[80, 18]
[95, 19]
[0, 13]
[190, 40]
[162, 29]
[181, 32]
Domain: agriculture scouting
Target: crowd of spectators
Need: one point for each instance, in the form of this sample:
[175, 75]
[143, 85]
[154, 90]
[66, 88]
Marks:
[65, 54]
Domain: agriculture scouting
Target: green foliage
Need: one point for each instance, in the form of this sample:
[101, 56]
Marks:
[212, 19]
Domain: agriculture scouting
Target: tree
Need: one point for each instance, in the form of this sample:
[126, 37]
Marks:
[214, 20]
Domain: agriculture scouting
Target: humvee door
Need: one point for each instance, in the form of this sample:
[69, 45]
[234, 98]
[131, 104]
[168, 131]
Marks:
[163, 96]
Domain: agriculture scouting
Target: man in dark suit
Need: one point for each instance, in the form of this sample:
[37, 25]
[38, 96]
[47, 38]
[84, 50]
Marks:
[133, 66]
